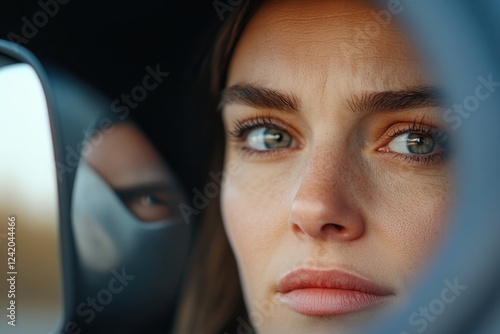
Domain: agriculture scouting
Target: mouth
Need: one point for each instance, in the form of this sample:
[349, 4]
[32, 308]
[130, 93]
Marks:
[329, 292]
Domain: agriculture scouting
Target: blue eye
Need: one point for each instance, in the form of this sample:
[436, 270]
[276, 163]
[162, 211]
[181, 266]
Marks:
[414, 143]
[262, 139]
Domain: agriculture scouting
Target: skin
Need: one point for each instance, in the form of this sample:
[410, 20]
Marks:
[342, 195]
[128, 162]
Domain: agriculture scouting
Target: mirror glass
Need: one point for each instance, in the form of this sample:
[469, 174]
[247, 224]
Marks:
[131, 240]
[31, 296]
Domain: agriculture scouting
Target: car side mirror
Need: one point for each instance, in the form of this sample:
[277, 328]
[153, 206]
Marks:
[89, 210]
[30, 229]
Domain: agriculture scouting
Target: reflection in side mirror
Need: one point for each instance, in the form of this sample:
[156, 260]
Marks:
[130, 242]
[127, 223]
[31, 296]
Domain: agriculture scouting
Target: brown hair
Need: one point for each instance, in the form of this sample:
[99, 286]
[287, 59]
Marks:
[211, 300]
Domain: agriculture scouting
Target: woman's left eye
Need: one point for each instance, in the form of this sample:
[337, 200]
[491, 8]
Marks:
[150, 200]
[150, 205]
[414, 144]
[263, 139]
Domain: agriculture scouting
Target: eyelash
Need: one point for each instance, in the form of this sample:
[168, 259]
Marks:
[243, 127]
[420, 128]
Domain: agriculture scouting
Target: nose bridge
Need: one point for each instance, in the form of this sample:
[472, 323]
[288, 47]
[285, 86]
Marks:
[324, 205]
[323, 175]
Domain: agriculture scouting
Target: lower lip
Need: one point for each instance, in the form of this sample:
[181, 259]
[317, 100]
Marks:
[322, 302]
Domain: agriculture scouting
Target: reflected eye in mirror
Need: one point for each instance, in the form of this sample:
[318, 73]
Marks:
[130, 165]
[125, 214]
[151, 203]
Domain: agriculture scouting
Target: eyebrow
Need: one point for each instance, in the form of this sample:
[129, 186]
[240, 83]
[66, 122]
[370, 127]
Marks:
[259, 97]
[373, 102]
[393, 101]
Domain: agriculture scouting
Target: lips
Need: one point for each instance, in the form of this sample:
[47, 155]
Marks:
[329, 292]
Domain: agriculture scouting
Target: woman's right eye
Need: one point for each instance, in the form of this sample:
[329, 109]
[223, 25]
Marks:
[264, 139]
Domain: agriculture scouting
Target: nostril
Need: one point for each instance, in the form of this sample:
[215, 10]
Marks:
[333, 227]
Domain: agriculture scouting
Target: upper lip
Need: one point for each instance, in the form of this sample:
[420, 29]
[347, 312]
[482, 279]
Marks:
[304, 278]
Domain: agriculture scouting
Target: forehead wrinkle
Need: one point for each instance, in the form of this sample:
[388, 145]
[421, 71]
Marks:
[344, 8]
[323, 34]
[314, 57]
[297, 16]
[302, 13]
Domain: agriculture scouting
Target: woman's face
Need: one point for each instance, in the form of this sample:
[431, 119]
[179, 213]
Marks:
[343, 182]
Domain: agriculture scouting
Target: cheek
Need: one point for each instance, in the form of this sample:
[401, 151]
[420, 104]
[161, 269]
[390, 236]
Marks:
[411, 216]
[253, 205]
[250, 209]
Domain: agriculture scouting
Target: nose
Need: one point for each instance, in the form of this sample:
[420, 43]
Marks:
[325, 206]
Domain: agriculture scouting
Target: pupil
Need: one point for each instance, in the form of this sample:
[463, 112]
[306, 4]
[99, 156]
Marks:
[147, 200]
[272, 136]
[151, 200]
[420, 144]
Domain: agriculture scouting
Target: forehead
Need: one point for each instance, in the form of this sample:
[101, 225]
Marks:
[324, 44]
[124, 158]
